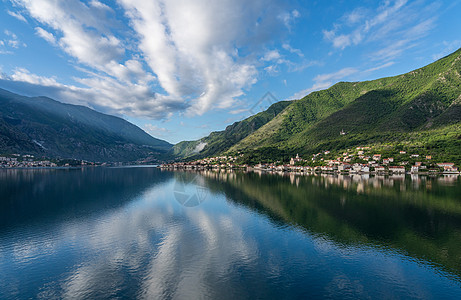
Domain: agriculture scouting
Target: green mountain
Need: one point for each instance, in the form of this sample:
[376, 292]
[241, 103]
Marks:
[220, 141]
[417, 110]
[42, 126]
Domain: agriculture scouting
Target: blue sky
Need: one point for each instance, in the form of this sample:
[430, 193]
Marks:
[180, 69]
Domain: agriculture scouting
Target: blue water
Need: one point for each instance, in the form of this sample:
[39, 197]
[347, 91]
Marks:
[143, 233]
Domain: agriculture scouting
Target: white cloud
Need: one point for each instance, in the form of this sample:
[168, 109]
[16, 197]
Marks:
[98, 4]
[11, 42]
[276, 59]
[184, 54]
[355, 16]
[24, 75]
[156, 131]
[47, 36]
[272, 55]
[116, 85]
[17, 15]
[83, 33]
[272, 69]
[288, 47]
[188, 44]
[10, 34]
[342, 41]
[289, 17]
[315, 87]
[14, 44]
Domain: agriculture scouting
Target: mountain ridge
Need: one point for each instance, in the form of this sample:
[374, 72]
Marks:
[216, 141]
[43, 126]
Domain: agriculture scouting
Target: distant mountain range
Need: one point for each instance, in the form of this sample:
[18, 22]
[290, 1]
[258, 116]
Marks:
[417, 110]
[45, 127]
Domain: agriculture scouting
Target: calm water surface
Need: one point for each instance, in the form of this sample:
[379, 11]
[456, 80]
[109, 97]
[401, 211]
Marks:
[150, 234]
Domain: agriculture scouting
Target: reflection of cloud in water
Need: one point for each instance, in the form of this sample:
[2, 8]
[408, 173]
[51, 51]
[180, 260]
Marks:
[189, 255]
[175, 251]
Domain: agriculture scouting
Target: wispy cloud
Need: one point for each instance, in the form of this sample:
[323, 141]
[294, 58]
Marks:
[324, 81]
[156, 131]
[386, 65]
[289, 18]
[315, 87]
[21, 74]
[288, 47]
[272, 55]
[17, 15]
[336, 75]
[274, 60]
[448, 47]
[10, 42]
[47, 36]
[395, 26]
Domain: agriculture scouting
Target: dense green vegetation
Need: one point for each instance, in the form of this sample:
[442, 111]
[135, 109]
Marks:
[220, 141]
[45, 127]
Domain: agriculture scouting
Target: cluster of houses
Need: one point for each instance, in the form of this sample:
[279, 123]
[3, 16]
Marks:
[377, 164]
[220, 162]
[27, 161]
[371, 164]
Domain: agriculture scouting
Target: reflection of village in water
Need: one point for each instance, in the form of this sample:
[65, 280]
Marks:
[357, 182]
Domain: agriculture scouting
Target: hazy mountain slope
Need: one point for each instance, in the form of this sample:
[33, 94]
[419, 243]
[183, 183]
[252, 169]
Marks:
[44, 126]
[412, 108]
[221, 141]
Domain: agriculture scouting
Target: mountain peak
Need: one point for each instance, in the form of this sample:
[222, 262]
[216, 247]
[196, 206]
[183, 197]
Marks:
[41, 125]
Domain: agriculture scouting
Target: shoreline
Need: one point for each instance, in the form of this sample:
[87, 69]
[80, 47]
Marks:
[80, 167]
[299, 171]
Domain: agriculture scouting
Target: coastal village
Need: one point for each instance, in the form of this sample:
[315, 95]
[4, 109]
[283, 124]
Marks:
[359, 161]
[29, 161]
[26, 161]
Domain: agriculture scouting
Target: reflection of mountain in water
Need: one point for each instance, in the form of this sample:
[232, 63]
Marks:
[59, 193]
[419, 216]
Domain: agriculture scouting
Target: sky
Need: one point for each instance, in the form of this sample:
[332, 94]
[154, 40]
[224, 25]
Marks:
[180, 69]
